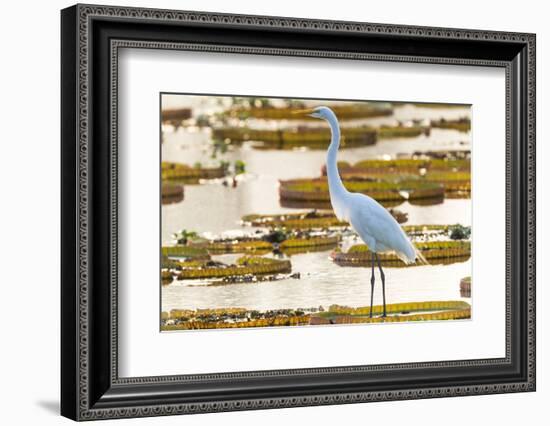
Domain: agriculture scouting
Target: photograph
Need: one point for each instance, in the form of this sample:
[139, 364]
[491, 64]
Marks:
[281, 212]
[264, 209]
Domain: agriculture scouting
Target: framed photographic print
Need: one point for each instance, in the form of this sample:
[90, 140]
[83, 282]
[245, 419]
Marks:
[263, 212]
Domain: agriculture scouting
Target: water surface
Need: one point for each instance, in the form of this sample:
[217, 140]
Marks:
[214, 208]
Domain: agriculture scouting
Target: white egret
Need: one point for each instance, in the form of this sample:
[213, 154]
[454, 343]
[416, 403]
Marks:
[371, 221]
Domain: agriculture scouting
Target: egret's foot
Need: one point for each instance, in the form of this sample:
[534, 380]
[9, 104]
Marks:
[383, 315]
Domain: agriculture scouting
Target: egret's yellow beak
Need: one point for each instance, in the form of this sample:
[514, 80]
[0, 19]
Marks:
[307, 111]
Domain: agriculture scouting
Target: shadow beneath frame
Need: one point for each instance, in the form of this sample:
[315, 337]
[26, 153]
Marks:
[50, 406]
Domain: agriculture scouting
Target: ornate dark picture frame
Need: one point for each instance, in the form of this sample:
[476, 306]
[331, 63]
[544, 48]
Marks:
[91, 37]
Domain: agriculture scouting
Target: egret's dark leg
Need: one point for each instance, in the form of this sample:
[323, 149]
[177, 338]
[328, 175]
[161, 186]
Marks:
[382, 276]
[371, 286]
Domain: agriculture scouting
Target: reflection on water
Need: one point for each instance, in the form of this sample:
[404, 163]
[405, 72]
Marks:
[260, 195]
[214, 208]
[322, 283]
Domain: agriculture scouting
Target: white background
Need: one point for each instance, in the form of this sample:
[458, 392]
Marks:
[140, 343]
[29, 229]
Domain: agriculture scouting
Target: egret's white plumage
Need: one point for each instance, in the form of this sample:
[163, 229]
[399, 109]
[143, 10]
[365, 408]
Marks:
[372, 222]
[379, 230]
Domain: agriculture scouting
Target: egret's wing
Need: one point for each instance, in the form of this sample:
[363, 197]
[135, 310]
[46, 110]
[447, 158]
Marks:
[373, 222]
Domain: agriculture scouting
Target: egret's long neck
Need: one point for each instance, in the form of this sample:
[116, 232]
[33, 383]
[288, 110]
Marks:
[335, 185]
